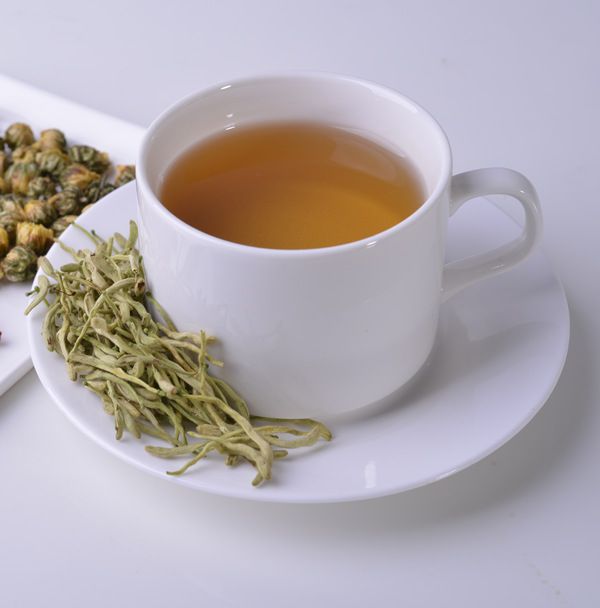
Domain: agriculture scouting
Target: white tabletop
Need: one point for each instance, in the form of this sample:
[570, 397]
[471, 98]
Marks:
[514, 83]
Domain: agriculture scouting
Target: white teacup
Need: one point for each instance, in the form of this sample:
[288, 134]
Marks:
[318, 331]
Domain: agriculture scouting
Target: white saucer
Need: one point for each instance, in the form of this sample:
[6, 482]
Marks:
[501, 347]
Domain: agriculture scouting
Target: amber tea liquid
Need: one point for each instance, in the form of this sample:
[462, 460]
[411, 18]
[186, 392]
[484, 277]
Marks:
[291, 186]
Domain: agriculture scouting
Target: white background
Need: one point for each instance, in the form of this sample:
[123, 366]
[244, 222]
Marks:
[514, 83]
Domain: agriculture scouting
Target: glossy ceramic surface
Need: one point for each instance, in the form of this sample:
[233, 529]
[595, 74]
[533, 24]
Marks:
[500, 349]
[324, 331]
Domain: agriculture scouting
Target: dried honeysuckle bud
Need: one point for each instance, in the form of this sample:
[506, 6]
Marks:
[20, 264]
[36, 237]
[52, 139]
[4, 242]
[20, 174]
[125, 173]
[41, 187]
[78, 176]
[39, 212]
[66, 202]
[18, 134]
[62, 223]
[52, 162]
[91, 158]
[97, 318]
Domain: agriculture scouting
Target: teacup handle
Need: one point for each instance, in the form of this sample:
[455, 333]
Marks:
[483, 182]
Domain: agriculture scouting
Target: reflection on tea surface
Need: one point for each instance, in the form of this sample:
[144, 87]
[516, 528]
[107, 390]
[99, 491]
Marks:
[293, 185]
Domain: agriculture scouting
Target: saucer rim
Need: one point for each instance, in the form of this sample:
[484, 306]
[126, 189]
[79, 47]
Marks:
[258, 494]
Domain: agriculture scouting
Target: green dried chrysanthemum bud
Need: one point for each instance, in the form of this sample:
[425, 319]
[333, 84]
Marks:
[91, 158]
[41, 187]
[18, 134]
[36, 237]
[62, 223]
[4, 162]
[11, 203]
[52, 162]
[95, 191]
[52, 139]
[4, 242]
[66, 202]
[20, 264]
[125, 173]
[20, 174]
[25, 154]
[9, 220]
[78, 176]
[39, 212]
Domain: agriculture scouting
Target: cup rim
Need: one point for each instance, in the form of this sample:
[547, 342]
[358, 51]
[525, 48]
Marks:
[299, 75]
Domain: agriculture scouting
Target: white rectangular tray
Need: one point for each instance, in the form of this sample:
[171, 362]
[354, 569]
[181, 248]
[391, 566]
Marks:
[24, 103]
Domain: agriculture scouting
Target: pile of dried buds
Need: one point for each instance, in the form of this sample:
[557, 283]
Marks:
[44, 185]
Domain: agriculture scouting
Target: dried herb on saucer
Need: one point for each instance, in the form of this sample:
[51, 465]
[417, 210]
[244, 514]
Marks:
[152, 378]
